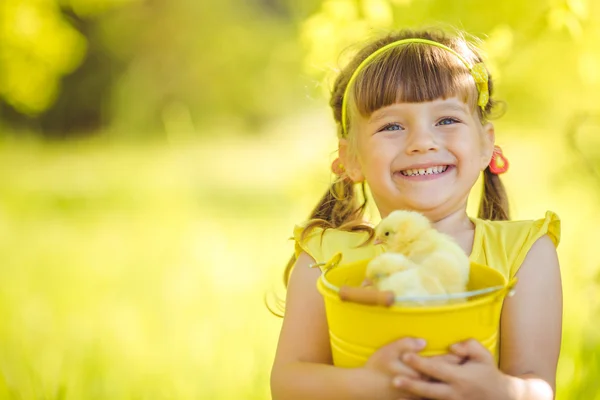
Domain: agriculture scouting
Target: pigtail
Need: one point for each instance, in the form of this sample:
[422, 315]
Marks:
[337, 205]
[494, 200]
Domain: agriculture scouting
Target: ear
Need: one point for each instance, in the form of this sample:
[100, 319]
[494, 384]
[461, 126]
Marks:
[350, 162]
[488, 139]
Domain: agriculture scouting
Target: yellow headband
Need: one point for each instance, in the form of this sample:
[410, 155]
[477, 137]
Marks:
[478, 72]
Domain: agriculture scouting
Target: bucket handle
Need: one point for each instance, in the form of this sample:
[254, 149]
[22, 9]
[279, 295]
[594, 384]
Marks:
[332, 263]
[507, 291]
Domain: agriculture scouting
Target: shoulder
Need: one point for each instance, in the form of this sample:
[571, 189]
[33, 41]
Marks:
[542, 252]
[322, 244]
[507, 243]
[549, 224]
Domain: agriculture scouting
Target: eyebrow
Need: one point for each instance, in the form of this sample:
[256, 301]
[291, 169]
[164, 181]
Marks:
[453, 106]
[379, 115]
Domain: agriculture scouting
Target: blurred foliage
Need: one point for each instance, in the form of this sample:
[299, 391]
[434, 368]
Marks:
[37, 47]
[135, 269]
[141, 67]
[149, 66]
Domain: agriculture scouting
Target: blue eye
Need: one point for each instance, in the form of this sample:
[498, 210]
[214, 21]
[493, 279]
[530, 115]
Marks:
[391, 127]
[448, 121]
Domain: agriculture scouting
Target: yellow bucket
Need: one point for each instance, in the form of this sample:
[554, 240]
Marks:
[358, 330]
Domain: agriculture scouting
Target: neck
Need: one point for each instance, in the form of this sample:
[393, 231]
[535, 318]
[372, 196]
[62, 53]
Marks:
[452, 224]
[455, 223]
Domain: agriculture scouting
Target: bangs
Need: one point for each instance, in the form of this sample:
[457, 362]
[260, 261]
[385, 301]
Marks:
[412, 73]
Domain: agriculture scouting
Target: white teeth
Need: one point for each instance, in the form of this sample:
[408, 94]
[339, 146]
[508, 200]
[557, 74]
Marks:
[438, 169]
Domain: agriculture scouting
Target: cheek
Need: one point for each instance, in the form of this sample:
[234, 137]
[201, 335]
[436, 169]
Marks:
[373, 153]
[469, 148]
[470, 157]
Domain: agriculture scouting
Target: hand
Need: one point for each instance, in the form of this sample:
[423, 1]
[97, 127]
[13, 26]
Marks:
[477, 378]
[449, 358]
[385, 364]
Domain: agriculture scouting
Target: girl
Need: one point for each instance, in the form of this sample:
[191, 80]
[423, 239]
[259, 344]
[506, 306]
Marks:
[412, 110]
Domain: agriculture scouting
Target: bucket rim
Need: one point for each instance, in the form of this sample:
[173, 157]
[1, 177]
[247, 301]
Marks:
[484, 295]
[433, 297]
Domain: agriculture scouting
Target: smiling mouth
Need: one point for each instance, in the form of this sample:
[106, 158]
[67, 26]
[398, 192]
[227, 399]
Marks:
[438, 169]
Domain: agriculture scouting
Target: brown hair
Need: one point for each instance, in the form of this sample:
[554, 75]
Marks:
[408, 73]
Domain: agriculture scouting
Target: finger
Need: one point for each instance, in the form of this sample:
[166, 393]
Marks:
[407, 344]
[449, 358]
[473, 350]
[392, 352]
[398, 368]
[434, 368]
[429, 390]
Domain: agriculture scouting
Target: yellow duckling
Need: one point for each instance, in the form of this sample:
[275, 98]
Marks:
[419, 260]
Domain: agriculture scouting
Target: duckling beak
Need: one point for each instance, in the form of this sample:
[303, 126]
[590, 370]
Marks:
[378, 241]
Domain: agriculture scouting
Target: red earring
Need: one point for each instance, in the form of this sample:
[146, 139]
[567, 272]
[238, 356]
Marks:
[498, 163]
[337, 167]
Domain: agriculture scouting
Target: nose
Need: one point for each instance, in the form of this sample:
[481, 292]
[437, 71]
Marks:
[421, 140]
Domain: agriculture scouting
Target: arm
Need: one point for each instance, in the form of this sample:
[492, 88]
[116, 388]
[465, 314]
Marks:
[531, 325]
[302, 367]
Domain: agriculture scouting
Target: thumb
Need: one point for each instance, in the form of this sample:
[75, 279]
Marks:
[473, 350]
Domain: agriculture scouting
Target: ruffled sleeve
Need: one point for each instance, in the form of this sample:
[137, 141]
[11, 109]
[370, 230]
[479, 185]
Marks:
[311, 244]
[549, 225]
[322, 244]
[503, 245]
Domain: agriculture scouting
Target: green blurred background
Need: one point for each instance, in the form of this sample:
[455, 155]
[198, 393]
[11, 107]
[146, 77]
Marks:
[155, 155]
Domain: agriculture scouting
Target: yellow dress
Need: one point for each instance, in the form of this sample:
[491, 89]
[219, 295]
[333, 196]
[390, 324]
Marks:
[501, 245]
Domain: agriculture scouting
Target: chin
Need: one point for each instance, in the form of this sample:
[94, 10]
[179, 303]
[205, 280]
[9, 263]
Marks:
[425, 202]
[427, 206]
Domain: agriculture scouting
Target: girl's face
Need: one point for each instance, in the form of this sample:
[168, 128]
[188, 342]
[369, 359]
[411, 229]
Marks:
[419, 156]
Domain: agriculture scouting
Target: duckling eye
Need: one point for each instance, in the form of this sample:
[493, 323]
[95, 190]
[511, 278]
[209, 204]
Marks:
[387, 234]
